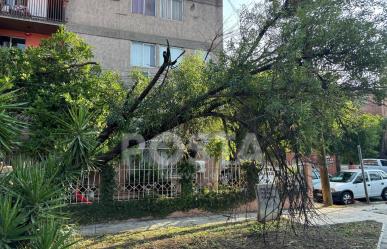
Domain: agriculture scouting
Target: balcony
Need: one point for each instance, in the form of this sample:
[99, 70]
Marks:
[43, 11]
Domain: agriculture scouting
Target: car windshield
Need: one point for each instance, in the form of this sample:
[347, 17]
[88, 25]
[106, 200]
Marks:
[370, 162]
[344, 177]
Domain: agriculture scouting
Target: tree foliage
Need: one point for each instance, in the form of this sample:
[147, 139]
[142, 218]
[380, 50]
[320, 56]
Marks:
[287, 80]
[51, 78]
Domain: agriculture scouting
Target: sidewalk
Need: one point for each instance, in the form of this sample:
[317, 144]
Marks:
[135, 225]
[359, 212]
[339, 214]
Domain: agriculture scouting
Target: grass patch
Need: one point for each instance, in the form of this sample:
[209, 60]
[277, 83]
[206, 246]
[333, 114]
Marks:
[363, 235]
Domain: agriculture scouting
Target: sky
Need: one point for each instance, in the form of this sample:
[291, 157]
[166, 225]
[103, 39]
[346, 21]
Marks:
[230, 13]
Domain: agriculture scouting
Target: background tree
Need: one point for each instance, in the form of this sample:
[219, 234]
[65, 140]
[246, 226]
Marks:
[51, 78]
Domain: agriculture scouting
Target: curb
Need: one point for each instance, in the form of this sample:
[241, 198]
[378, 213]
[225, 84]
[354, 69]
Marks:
[381, 237]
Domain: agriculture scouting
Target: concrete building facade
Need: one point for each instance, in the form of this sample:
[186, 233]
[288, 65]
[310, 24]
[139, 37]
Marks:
[123, 33]
[372, 107]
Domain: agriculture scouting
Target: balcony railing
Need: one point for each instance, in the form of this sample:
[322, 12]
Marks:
[40, 10]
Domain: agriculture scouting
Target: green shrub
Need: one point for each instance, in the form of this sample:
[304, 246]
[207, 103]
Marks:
[13, 223]
[186, 171]
[31, 207]
[52, 235]
[157, 208]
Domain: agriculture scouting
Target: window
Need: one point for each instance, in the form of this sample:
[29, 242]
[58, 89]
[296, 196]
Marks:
[384, 162]
[370, 162]
[344, 177]
[145, 7]
[359, 179]
[6, 41]
[375, 176]
[172, 9]
[143, 55]
[10, 2]
[175, 53]
[383, 174]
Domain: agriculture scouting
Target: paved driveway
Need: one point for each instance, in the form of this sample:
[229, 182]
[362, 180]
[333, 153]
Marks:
[376, 211]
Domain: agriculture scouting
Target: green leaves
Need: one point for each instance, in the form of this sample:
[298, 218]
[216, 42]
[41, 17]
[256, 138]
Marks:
[79, 138]
[14, 225]
[35, 184]
[58, 74]
[10, 127]
[51, 235]
[31, 199]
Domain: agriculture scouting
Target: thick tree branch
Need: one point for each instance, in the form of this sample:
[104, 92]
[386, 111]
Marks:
[111, 128]
[168, 124]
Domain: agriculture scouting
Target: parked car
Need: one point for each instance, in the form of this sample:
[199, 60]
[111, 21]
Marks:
[316, 177]
[379, 164]
[348, 185]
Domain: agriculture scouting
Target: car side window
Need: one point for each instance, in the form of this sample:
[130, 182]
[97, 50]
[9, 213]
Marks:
[384, 163]
[383, 174]
[375, 176]
[359, 179]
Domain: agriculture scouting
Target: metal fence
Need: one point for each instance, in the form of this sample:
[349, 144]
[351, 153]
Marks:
[216, 176]
[43, 10]
[139, 177]
[86, 189]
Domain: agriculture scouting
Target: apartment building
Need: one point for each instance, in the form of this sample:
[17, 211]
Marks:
[123, 33]
[372, 107]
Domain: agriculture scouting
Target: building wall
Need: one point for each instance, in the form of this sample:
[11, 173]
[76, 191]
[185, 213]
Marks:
[32, 39]
[110, 26]
[371, 107]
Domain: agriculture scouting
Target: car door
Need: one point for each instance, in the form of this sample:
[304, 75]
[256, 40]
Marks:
[376, 183]
[358, 186]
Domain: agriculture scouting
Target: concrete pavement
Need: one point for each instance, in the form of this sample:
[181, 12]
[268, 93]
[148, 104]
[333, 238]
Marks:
[376, 211]
[135, 225]
[339, 214]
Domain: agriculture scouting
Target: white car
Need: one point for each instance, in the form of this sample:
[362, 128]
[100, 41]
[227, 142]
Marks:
[380, 164]
[316, 178]
[348, 185]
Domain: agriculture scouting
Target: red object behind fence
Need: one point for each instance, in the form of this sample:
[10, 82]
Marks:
[82, 199]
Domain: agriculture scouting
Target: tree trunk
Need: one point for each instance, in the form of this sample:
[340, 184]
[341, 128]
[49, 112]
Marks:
[338, 164]
[325, 185]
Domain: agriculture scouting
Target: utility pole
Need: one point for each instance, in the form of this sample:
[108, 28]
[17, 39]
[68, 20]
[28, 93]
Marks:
[325, 185]
[363, 173]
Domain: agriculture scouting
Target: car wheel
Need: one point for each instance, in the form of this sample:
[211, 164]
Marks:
[347, 198]
[384, 194]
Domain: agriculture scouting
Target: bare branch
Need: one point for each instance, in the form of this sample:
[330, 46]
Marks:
[111, 128]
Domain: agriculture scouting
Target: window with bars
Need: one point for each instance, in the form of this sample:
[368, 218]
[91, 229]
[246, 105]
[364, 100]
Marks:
[172, 9]
[144, 7]
[143, 55]
[6, 41]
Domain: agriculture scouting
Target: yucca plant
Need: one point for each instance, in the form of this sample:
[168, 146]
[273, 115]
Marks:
[79, 138]
[10, 127]
[31, 215]
[36, 185]
[52, 235]
[14, 224]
